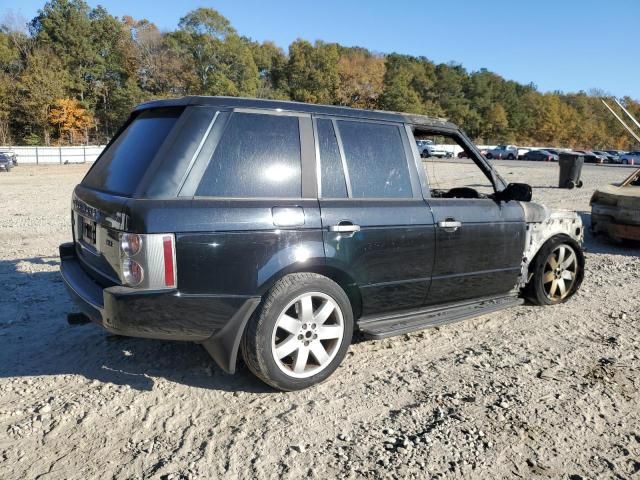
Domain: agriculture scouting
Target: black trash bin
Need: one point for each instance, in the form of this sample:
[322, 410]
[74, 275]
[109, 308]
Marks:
[570, 170]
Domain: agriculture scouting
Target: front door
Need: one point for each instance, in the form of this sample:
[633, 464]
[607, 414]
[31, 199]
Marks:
[479, 248]
[376, 227]
[479, 240]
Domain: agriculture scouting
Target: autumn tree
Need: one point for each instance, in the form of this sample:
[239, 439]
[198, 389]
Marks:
[161, 70]
[361, 77]
[70, 119]
[107, 65]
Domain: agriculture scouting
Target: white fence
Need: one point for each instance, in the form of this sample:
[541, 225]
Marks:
[54, 155]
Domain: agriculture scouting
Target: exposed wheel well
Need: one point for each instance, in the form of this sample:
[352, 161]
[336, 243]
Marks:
[562, 237]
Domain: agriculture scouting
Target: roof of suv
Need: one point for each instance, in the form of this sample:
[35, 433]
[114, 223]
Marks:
[239, 102]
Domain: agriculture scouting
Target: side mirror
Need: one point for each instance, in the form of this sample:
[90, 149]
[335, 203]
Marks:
[520, 192]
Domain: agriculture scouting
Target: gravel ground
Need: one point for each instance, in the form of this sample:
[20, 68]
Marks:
[525, 393]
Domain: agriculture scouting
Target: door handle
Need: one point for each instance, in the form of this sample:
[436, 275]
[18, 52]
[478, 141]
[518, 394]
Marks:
[344, 227]
[450, 225]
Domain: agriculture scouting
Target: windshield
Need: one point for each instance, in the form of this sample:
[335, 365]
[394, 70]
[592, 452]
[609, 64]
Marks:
[123, 164]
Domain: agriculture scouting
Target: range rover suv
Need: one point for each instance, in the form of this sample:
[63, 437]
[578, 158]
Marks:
[272, 230]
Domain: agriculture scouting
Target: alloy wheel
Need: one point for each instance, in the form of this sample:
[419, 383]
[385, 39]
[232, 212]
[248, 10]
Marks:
[560, 272]
[307, 335]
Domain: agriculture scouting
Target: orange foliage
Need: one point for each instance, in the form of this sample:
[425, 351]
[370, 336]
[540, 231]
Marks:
[71, 119]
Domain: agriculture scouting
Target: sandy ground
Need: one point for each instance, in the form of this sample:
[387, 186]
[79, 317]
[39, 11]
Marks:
[525, 393]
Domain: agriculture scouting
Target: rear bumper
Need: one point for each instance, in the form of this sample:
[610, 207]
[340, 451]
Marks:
[215, 320]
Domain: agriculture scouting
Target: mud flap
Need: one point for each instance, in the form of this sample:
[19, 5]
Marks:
[223, 345]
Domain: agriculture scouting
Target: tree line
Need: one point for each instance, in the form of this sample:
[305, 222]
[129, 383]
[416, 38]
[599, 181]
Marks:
[73, 73]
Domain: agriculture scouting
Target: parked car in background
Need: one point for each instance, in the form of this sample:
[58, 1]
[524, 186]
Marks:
[591, 157]
[431, 151]
[611, 158]
[274, 236]
[509, 152]
[541, 155]
[616, 154]
[630, 158]
[522, 152]
[6, 164]
[12, 156]
[423, 145]
[553, 151]
[463, 154]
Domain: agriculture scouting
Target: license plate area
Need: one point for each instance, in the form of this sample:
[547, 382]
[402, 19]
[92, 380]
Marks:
[87, 231]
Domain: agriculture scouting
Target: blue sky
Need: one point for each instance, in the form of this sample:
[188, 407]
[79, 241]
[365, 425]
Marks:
[566, 45]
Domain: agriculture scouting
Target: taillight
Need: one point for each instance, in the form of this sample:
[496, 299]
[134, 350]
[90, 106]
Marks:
[132, 272]
[131, 243]
[167, 246]
[147, 261]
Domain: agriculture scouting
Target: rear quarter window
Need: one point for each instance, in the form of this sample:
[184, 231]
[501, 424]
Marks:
[123, 164]
[258, 156]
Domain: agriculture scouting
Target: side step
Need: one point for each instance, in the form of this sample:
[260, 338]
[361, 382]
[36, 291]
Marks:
[406, 322]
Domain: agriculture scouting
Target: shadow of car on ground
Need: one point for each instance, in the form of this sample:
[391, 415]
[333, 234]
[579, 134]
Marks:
[36, 340]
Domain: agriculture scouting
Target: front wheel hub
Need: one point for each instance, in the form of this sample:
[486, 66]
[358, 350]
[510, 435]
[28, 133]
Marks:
[560, 272]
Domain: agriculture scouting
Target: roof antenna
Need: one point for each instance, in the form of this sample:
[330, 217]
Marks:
[622, 121]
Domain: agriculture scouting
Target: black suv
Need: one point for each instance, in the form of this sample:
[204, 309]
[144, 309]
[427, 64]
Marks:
[277, 228]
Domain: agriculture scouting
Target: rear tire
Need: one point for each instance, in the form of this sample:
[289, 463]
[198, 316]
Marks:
[510, 157]
[300, 334]
[558, 270]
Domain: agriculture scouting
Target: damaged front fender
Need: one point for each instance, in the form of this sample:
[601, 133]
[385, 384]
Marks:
[543, 224]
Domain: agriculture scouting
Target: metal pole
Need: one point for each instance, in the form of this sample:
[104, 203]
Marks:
[84, 154]
[621, 121]
[60, 154]
[37, 159]
[627, 112]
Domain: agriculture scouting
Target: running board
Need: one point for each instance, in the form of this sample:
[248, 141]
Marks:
[406, 322]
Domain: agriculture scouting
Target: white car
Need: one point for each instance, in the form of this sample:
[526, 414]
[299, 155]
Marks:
[435, 151]
[630, 158]
[423, 145]
[510, 152]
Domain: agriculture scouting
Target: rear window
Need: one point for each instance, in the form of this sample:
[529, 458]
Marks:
[376, 160]
[121, 167]
[258, 156]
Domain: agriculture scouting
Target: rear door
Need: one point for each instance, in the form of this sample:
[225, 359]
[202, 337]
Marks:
[376, 227]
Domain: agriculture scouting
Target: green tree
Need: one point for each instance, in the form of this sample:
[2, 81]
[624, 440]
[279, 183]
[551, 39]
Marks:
[497, 123]
[43, 81]
[312, 72]
[222, 61]
[271, 63]
[64, 27]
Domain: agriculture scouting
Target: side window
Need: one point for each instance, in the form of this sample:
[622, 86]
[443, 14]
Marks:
[331, 170]
[447, 179]
[376, 160]
[258, 156]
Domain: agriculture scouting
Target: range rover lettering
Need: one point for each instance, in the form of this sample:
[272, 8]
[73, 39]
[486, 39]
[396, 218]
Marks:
[273, 230]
